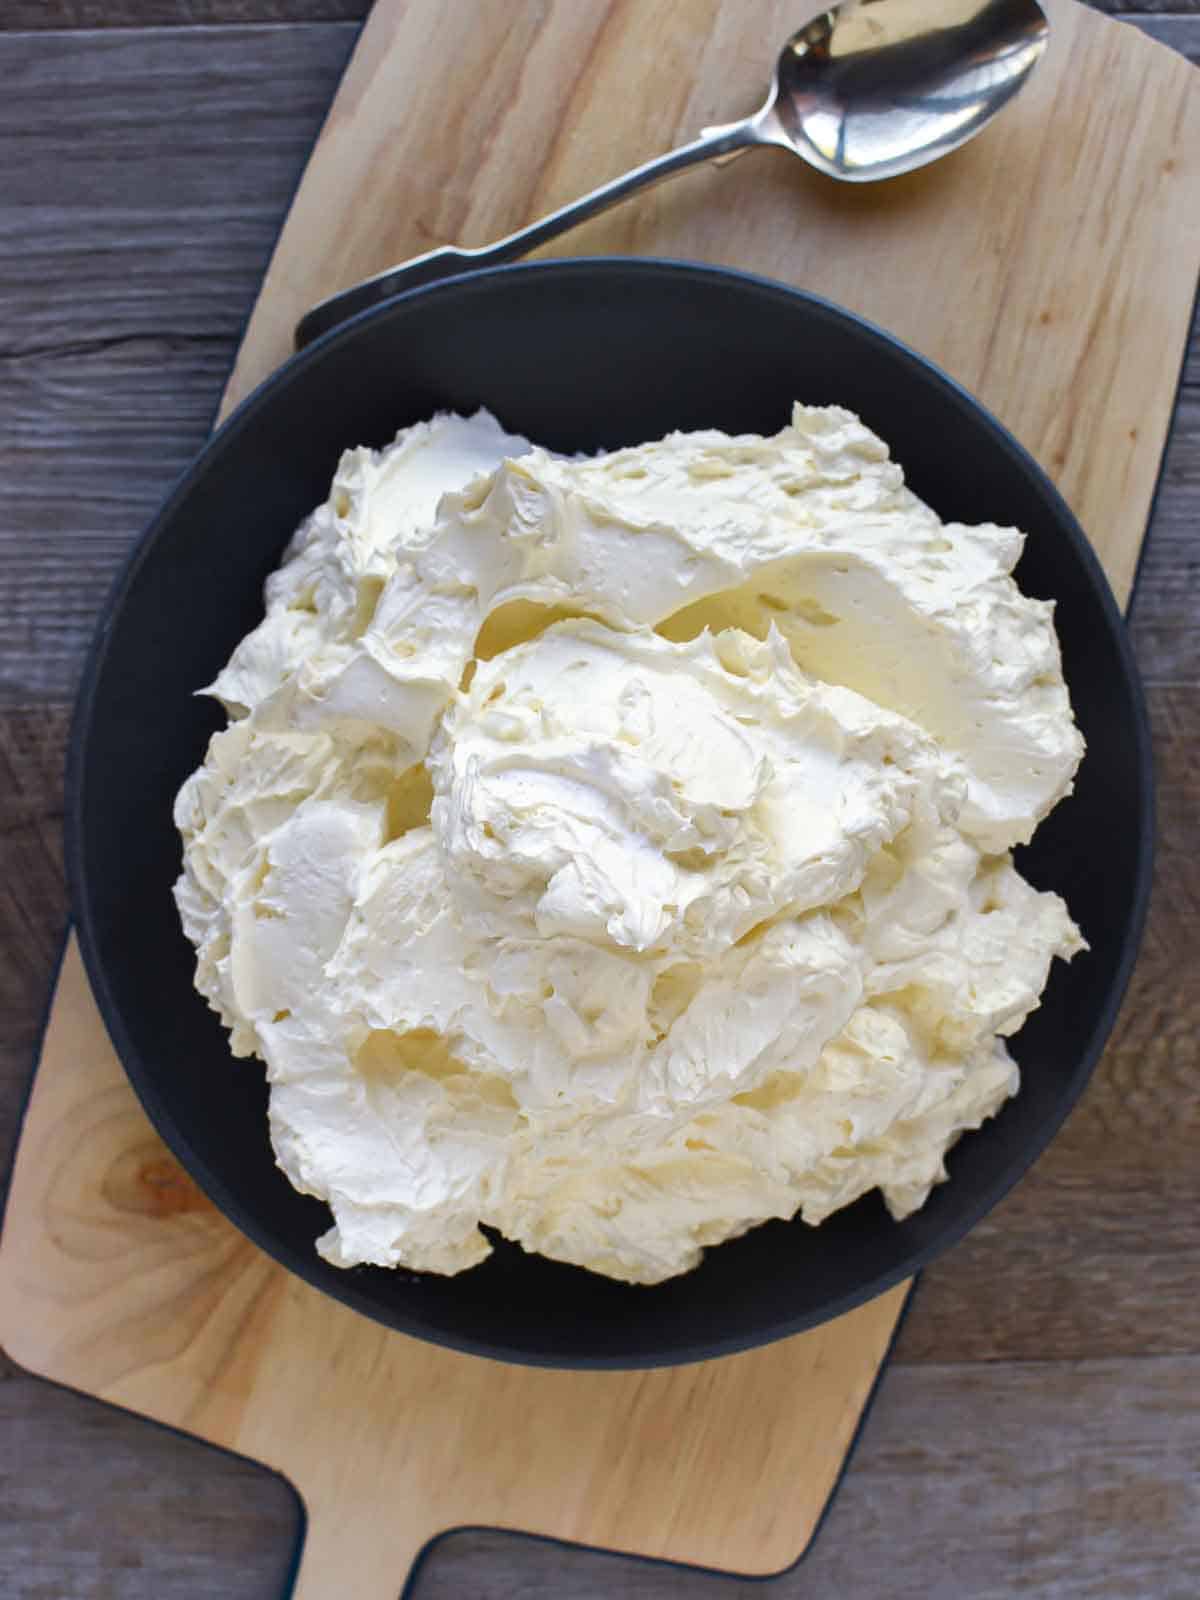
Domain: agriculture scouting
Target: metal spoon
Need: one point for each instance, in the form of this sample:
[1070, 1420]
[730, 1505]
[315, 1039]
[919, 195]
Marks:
[867, 90]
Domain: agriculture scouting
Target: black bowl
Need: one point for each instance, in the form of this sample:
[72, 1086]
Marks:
[578, 355]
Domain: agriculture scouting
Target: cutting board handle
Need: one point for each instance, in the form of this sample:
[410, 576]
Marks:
[360, 1560]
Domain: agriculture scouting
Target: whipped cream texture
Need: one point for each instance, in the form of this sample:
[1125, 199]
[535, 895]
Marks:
[614, 853]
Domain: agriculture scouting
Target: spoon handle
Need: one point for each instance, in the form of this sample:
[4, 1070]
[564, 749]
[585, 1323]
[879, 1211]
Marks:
[450, 260]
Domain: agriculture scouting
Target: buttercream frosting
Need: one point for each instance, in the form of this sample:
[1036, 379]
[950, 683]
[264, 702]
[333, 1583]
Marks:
[614, 853]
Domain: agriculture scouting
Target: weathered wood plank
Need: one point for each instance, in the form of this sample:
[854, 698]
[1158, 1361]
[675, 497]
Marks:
[1175, 25]
[149, 170]
[44, 15]
[1083, 1477]
[33, 898]
[93, 440]
[1165, 614]
[1084, 1480]
[66, 14]
[167, 1515]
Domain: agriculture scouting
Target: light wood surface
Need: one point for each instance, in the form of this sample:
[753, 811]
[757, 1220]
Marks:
[160, 1181]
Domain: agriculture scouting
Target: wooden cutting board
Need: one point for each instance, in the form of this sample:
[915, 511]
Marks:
[1050, 267]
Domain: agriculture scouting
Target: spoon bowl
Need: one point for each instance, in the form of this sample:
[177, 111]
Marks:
[874, 88]
[868, 89]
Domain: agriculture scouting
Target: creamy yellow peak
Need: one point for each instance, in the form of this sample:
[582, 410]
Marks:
[613, 853]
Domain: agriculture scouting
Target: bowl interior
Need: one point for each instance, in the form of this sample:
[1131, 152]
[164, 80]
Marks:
[578, 356]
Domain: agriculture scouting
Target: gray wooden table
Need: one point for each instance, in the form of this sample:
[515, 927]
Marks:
[1039, 1430]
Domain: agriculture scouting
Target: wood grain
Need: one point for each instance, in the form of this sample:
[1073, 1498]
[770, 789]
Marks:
[70, 14]
[161, 226]
[179, 1518]
[1170, 28]
[66, 15]
[1139, 1218]
[1108, 1509]
[1092, 1489]
[1080, 1478]
[156, 186]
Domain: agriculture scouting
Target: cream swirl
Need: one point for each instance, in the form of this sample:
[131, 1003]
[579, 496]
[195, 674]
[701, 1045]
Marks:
[613, 852]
